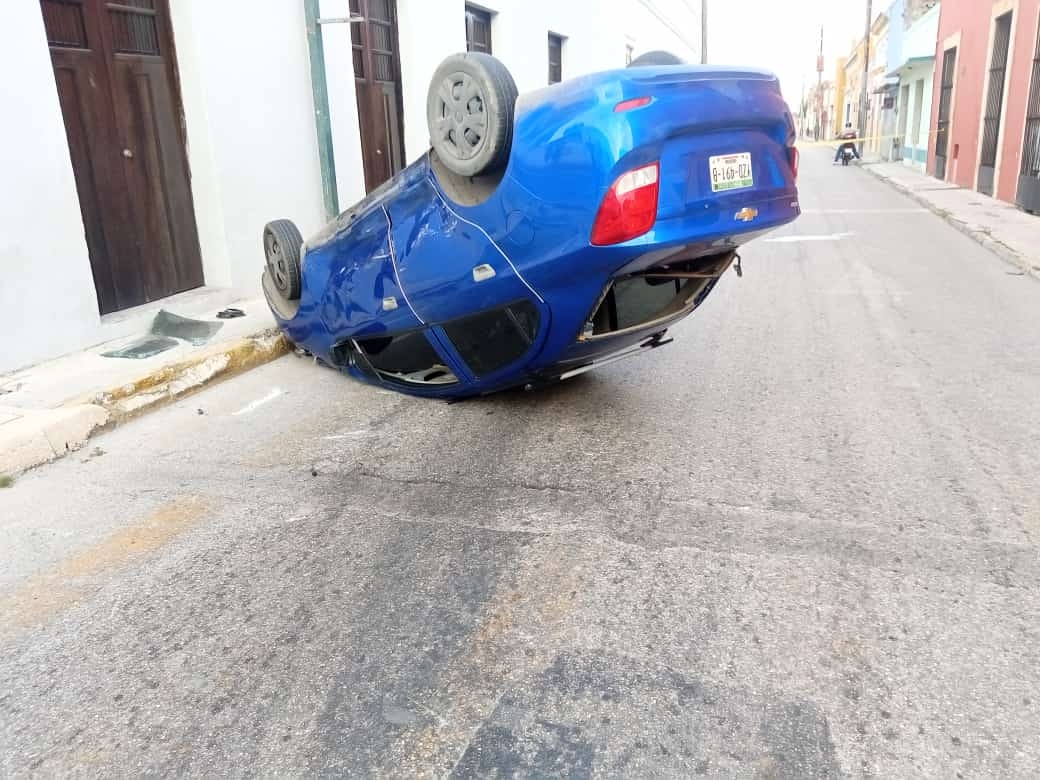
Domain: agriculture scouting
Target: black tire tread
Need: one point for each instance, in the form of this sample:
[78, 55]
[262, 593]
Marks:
[496, 77]
[290, 239]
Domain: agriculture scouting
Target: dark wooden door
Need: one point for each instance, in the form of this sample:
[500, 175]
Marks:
[377, 80]
[942, 130]
[994, 104]
[115, 70]
[1029, 175]
[478, 30]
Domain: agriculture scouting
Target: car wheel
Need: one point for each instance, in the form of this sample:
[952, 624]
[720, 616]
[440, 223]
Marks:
[469, 109]
[656, 58]
[282, 246]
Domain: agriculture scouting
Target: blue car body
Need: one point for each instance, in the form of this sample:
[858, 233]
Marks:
[438, 277]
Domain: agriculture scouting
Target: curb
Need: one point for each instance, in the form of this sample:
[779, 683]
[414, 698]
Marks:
[43, 435]
[1001, 250]
[40, 436]
[179, 379]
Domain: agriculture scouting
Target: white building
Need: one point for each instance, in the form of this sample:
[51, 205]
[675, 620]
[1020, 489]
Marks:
[148, 142]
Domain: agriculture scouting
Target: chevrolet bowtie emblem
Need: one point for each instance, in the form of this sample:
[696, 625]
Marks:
[746, 214]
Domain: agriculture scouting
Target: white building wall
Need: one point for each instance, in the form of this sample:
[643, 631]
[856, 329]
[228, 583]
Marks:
[924, 137]
[251, 141]
[346, 128]
[919, 39]
[595, 31]
[915, 147]
[675, 27]
[428, 31]
[47, 299]
[520, 38]
[252, 155]
[252, 146]
[920, 42]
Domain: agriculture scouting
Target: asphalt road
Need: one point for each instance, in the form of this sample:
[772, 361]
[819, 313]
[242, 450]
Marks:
[800, 541]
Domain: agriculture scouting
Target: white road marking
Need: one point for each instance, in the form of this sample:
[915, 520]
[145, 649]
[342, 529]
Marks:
[799, 239]
[254, 405]
[866, 211]
[348, 435]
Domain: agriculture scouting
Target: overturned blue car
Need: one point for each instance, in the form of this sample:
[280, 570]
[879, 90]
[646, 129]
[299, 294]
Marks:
[542, 235]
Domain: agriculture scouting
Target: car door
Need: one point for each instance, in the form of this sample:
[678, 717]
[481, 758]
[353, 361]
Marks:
[458, 280]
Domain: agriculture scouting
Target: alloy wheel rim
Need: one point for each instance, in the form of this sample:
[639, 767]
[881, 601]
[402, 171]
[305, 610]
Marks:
[461, 117]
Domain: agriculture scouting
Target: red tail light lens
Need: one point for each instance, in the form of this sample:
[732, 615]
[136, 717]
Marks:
[628, 105]
[792, 153]
[629, 208]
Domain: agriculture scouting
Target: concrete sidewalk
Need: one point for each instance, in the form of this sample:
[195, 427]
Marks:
[1001, 227]
[51, 409]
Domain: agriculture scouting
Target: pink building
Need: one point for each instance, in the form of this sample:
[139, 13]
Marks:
[986, 113]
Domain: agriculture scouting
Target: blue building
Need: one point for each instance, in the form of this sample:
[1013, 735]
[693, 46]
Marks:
[912, 34]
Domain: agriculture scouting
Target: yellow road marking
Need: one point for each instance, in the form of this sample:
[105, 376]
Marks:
[832, 142]
[71, 581]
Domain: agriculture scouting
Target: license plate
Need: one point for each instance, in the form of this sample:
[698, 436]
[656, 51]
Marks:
[731, 172]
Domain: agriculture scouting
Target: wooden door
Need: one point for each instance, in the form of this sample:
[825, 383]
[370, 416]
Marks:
[942, 129]
[994, 105]
[377, 80]
[114, 66]
[1029, 175]
[478, 30]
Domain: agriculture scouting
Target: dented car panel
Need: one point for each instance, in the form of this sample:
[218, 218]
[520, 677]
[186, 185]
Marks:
[510, 290]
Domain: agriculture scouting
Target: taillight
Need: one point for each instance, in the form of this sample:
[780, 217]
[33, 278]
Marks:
[628, 105]
[629, 208]
[792, 156]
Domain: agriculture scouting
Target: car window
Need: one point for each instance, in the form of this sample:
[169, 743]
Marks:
[494, 339]
[406, 357]
[640, 300]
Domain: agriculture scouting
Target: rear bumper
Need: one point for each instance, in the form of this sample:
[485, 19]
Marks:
[729, 224]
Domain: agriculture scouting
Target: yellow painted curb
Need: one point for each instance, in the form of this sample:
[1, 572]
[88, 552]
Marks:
[170, 382]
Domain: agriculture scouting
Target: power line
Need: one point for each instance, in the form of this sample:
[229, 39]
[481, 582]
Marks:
[660, 17]
[702, 14]
[687, 4]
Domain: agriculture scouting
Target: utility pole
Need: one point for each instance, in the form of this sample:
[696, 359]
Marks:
[803, 113]
[704, 32]
[862, 129]
[819, 132]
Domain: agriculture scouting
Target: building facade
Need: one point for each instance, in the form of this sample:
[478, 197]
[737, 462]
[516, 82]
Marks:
[155, 138]
[913, 31]
[986, 113]
[819, 111]
[853, 74]
[880, 120]
[842, 105]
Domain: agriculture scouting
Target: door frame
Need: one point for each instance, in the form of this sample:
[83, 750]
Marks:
[1027, 194]
[947, 47]
[999, 10]
[364, 29]
[134, 240]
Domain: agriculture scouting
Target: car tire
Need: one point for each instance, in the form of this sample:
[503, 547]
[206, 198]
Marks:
[283, 245]
[657, 57]
[469, 111]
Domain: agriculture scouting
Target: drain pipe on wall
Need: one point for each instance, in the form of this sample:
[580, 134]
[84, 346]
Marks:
[322, 121]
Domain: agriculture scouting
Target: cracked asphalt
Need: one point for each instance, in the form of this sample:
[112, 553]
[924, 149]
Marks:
[801, 541]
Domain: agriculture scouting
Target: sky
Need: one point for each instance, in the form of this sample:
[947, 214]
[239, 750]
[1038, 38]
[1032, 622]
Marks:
[784, 36]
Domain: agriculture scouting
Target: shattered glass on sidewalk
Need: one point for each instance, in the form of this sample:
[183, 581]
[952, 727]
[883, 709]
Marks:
[166, 329]
[196, 332]
[144, 347]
